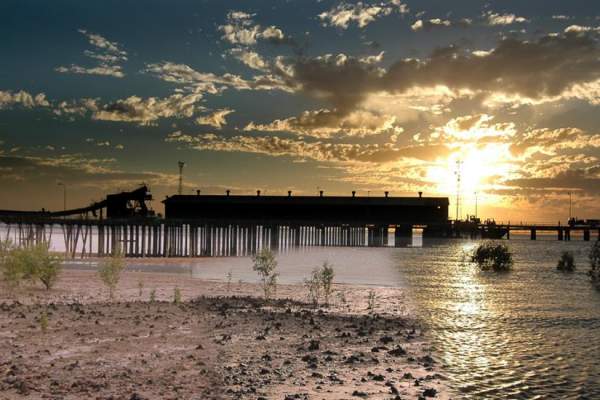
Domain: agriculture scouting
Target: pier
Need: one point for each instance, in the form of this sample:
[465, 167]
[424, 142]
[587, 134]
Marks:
[226, 225]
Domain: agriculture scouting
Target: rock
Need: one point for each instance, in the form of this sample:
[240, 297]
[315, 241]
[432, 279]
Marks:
[356, 393]
[430, 392]
[386, 339]
[397, 352]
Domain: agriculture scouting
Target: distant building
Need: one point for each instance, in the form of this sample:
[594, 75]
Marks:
[309, 209]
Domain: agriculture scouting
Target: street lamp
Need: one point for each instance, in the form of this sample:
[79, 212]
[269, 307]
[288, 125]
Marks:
[64, 195]
[570, 206]
[475, 204]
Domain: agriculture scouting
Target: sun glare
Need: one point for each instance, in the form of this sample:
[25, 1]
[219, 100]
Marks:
[480, 168]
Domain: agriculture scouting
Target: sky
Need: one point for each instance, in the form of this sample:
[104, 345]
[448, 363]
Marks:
[372, 96]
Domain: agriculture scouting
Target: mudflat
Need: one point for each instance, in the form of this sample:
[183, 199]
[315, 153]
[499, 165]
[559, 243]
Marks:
[222, 341]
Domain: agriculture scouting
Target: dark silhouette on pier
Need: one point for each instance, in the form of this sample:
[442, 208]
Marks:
[232, 225]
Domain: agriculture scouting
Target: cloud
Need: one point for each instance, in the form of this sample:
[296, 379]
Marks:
[319, 151]
[360, 13]
[325, 123]
[147, 110]
[581, 29]
[103, 143]
[22, 98]
[108, 55]
[433, 23]
[250, 58]
[240, 29]
[211, 83]
[216, 119]
[550, 66]
[551, 142]
[495, 19]
[573, 179]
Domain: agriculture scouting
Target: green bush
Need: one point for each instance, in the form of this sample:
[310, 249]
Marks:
[110, 272]
[10, 268]
[492, 256]
[566, 262]
[327, 275]
[31, 263]
[266, 264]
[595, 264]
[371, 301]
[177, 296]
[44, 321]
[313, 285]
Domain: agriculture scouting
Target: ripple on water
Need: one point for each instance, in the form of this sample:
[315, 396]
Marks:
[532, 333]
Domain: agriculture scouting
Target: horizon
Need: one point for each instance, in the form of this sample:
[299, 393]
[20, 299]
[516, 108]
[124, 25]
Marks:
[389, 95]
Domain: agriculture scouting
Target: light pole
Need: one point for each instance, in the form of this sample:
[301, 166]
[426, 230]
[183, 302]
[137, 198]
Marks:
[475, 204]
[64, 195]
[570, 206]
[458, 179]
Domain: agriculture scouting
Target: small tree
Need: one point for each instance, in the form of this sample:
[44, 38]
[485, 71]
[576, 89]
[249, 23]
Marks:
[177, 296]
[10, 267]
[492, 256]
[313, 285]
[265, 264]
[371, 301]
[595, 264]
[29, 263]
[110, 272]
[566, 262]
[327, 275]
[47, 266]
[44, 321]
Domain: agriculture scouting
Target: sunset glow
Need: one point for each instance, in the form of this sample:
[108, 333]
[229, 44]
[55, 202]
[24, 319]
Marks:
[252, 98]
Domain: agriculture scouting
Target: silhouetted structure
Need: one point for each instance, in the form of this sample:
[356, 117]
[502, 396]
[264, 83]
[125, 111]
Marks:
[309, 209]
[229, 225]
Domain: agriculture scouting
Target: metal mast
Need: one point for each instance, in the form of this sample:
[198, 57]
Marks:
[180, 188]
[458, 179]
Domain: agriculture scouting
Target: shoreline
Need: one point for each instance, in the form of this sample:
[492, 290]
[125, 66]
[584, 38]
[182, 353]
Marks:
[222, 342]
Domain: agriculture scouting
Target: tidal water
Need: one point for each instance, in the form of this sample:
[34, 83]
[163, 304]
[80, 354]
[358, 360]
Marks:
[533, 333]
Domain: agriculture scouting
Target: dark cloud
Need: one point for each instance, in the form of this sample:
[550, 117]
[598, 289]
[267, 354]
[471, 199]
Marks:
[531, 69]
[579, 179]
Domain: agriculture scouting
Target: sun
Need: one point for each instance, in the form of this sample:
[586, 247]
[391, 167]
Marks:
[481, 168]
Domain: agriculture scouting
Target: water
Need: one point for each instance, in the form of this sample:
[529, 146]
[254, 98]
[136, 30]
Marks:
[532, 333]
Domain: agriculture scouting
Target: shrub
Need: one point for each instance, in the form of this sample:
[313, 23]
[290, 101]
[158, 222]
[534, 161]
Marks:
[566, 262]
[313, 285]
[29, 263]
[44, 321]
[177, 296]
[265, 264]
[110, 272]
[229, 278]
[47, 267]
[595, 264]
[327, 275]
[371, 301]
[152, 295]
[492, 256]
[140, 288]
[12, 273]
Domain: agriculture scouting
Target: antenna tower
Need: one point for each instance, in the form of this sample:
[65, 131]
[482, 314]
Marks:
[458, 173]
[180, 188]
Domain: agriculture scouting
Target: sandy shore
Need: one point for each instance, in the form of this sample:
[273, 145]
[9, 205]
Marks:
[222, 342]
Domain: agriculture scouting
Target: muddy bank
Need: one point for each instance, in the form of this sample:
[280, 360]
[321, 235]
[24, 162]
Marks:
[222, 342]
